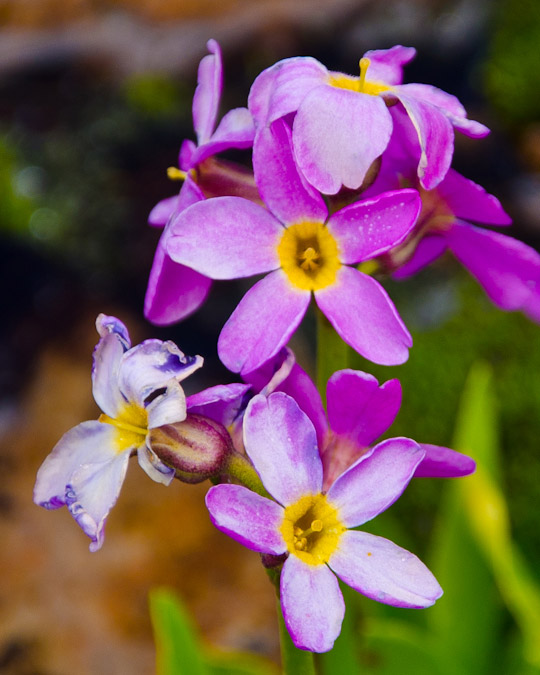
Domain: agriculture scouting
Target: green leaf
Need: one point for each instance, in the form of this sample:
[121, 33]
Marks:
[177, 648]
[237, 663]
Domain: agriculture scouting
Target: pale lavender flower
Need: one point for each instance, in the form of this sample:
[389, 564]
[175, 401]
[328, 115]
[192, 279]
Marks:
[138, 389]
[305, 250]
[175, 291]
[342, 123]
[313, 527]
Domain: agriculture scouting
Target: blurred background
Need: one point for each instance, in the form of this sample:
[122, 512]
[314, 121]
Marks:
[95, 100]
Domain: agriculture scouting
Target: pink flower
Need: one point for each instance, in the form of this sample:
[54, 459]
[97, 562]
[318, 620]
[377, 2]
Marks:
[305, 251]
[343, 123]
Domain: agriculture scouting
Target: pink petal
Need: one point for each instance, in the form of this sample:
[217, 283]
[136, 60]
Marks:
[383, 571]
[375, 481]
[281, 442]
[236, 130]
[386, 65]
[442, 462]
[293, 80]
[208, 92]
[427, 251]
[262, 323]
[283, 189]
[162, 211]
[371, 227]
[365, 318]
[312, 605]
[222, 403]
[359, 408]
[225, 238]
[337, 133]
[252, 520]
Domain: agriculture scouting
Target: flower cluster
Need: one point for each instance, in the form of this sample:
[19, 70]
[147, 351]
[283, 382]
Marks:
[350, 174]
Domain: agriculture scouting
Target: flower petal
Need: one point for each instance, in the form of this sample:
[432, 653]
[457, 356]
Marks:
[222, 403]
[87, 443]
[262, 323]
[92, 492]
[442, 462]
[151, 365]
[163, 210]
[470, 201]
[337, 133]
[252, 520]
[435, 134]
[370, 227]
[225, 238]
[386, 65]
[153, 466]
[107, 359]
[168, 407]
[375, 481]
[208, 92]
[359, 408]
[281, 442]
[427, 251]
[174, 291]
[383, 571]
[312, 604]
[508, 269]
[365, 318]
[236, 130]
[282, 187]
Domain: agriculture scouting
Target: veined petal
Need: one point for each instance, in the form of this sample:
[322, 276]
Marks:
[470, 201]
[365, 318]
[262, 323]
[208, 92]
[375, 481]
[359, 408]
[151, 365]
[435, 135]
[222, 403]
[236, 130]
[281, 442]
[174, 291]
[427, 251]
[330, 142]
[87, 443]
[252, 520]
[386, 65]
[153, 466]
[167, 408]
[371, 227]
[508, 269]
[383, 571]
[312, 604]
[440, 462]
[92, 492]
[283, 189]
[106, 325]
[226, 238]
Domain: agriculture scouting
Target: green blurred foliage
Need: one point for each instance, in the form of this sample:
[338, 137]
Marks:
[513, 67]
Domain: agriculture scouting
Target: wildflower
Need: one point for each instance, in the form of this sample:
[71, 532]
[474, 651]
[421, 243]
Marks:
[507, 269]
[313, 527]
[343, 123]
[138, 389]
[305, 251]
[175, 291]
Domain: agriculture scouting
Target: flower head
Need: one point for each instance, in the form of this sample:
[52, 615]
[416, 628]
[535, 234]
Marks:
[313, 527]
[138, 389]
[305, 250]
[343, 123]
[175, 291]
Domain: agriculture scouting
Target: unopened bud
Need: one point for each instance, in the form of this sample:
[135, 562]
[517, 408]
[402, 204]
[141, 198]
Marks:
[196, 448]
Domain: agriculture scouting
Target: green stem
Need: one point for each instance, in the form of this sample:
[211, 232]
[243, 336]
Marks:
[241, 469]
[294, 661]
[332, 353]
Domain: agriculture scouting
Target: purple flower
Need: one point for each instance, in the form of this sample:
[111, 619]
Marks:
[175, 291]
[138, 389]
[313, 527]
[305, 250]
[342, 123]
[508, 269]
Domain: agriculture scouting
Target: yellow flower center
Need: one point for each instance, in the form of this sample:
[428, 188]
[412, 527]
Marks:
[311, 528]
[359, 84]
[131, 426]
[308, 254]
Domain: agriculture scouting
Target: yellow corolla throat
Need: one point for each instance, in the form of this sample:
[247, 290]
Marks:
[312, 528]
[131, 426]
[308, 254]
[359, 84]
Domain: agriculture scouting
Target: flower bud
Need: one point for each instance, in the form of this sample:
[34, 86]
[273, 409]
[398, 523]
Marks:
[196, 448]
